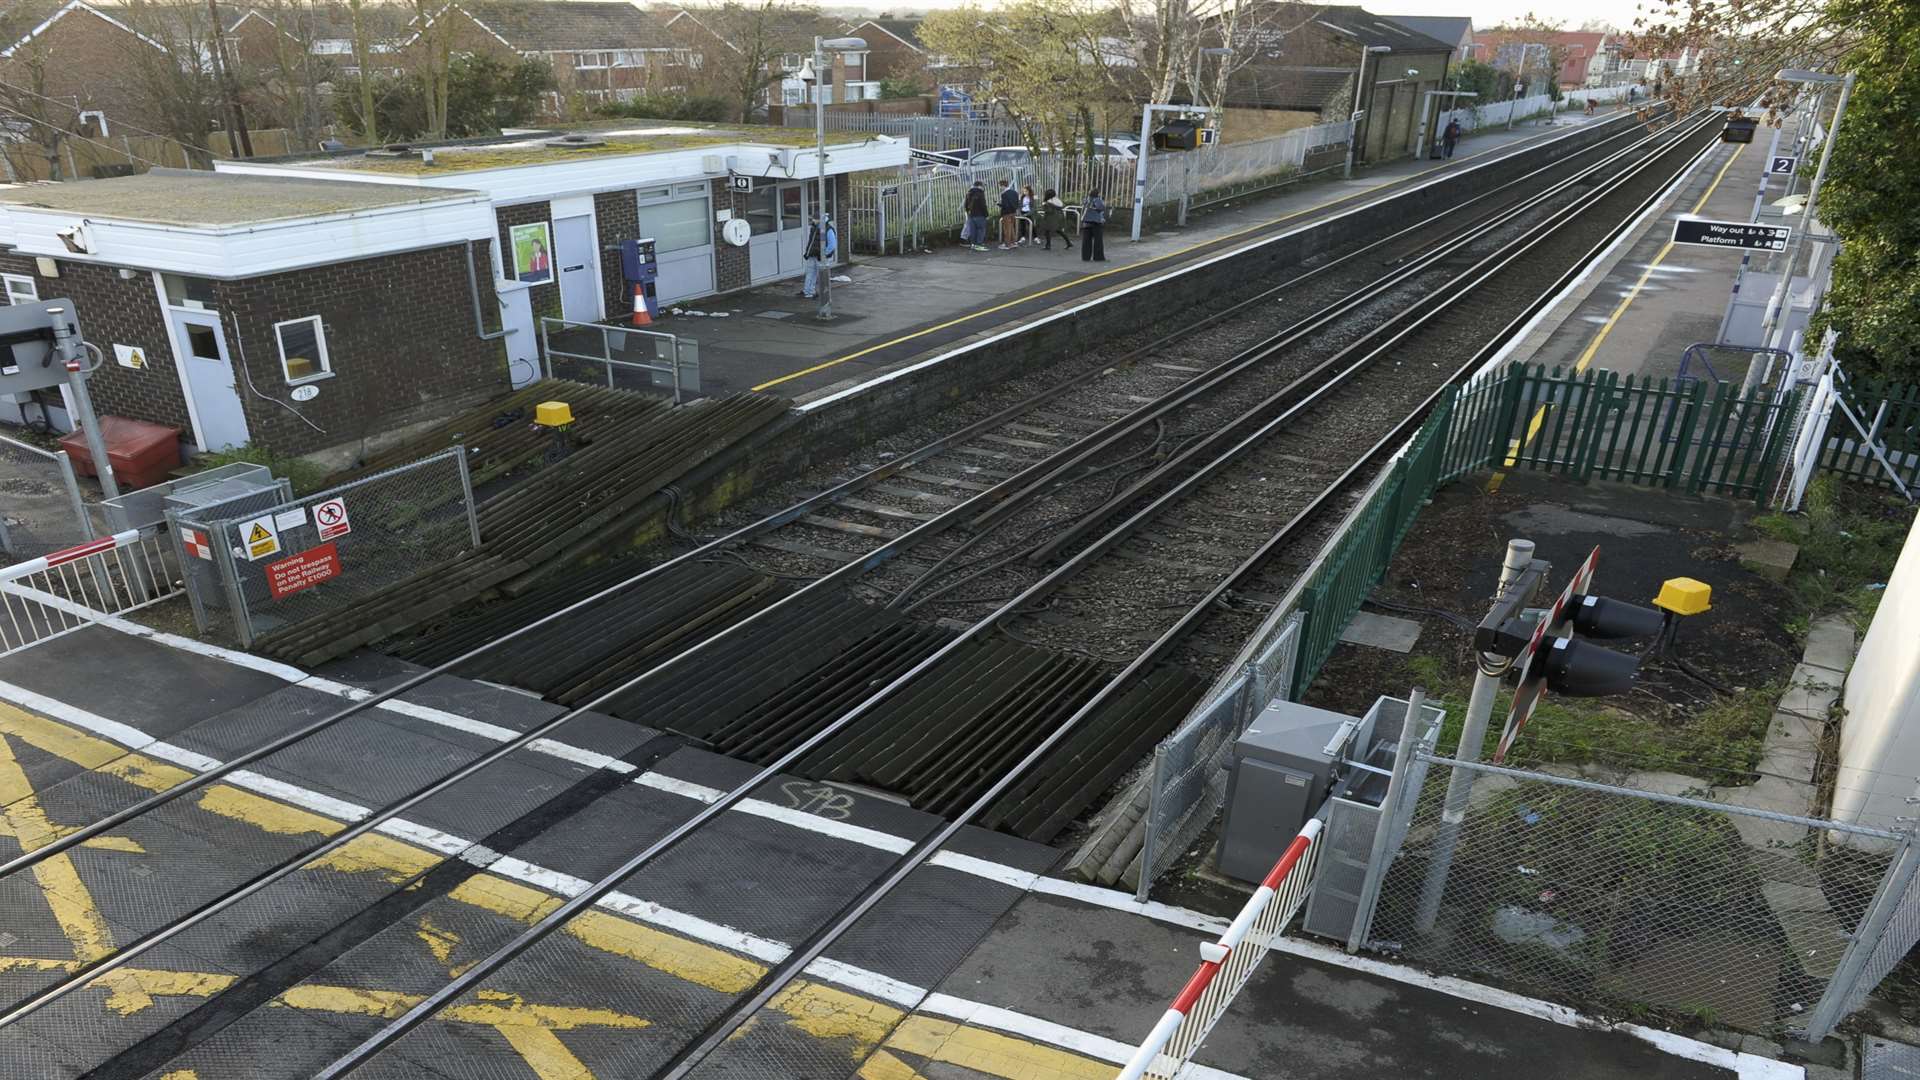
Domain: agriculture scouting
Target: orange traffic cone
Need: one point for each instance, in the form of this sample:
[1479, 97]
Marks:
[640, 316]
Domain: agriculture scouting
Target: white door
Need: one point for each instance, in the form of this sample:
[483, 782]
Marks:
[575, 256]
[682, 235]
[763, 246]
[523, 344]
[216, 393]
[793, 227]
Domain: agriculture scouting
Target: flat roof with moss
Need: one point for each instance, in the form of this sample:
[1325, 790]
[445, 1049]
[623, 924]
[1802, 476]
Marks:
[196, 198]
[543, 148]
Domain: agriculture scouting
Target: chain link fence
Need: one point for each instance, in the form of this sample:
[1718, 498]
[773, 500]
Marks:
[1188, 781]
[41, 509]
[1629, 901]
[268, 561]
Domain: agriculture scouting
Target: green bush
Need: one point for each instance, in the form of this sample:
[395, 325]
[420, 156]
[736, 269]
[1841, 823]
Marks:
[304, 475]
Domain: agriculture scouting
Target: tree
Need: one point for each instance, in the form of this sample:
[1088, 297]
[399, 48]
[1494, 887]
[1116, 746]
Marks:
[895, 87]
[741, 44]
[43, 123]
[280, 72]
[1530, 35]
[169, 62]
[483, 95]
[1043, 63]
[1735, 47]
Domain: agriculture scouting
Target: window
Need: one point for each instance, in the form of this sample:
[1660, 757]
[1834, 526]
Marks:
[592, 61]
[303, 349]
[20, 289]
[189, 292]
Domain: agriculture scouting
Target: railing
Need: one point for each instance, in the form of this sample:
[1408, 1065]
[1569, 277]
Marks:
[51, 595]
[1227, 964]
[669, 370]
[44, 509]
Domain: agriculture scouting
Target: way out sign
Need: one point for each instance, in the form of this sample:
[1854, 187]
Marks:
[303, 571]
[331, 519]
[1731, 234]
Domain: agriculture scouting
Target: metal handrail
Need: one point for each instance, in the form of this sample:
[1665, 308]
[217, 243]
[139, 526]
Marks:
[547, 352]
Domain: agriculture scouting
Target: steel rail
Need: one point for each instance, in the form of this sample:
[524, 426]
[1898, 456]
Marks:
[86, 974]
[782, 974]
[787, 969]
[1032, 478]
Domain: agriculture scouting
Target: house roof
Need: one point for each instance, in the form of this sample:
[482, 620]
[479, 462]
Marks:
[568, 25]
[334, 21]
[196, 198]
[22, 20]
[1363, 27]
[906, 30]
[1579, 47]
[1450, 28]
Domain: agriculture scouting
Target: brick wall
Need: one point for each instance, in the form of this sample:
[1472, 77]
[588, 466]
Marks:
[116, 311]
[544, 296]
[617, 218]
[730, 268]
[400, 341]
[84, 60]
[399, 336]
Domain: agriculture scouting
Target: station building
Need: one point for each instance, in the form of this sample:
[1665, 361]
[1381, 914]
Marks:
[326, 302]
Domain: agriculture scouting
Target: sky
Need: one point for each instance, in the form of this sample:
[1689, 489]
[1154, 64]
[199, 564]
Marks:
[1485, 13]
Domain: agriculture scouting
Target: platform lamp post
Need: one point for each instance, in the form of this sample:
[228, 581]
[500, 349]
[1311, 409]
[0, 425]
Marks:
[1359, 86]
[815, 73]
[1769, 325]
[1519, 77]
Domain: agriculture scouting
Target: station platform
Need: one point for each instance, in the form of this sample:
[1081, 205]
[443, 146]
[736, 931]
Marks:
[985, 964]
[1639, 310]
[896, 308]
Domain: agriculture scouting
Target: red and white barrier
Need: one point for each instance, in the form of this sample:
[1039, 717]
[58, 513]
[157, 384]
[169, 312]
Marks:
[50, 595]
[1228, 963]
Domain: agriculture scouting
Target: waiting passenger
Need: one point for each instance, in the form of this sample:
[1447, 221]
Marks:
[1053, 220]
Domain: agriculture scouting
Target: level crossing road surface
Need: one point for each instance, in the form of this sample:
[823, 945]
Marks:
[983, 965]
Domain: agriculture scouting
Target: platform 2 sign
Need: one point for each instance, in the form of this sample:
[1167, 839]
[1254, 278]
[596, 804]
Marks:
[303, 571]
[1731, 234]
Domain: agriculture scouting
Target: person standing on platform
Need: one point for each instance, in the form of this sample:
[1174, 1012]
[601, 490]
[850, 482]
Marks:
[1451, 136]
[822, 246]
[1093, 229]
[1027, 208]
[976, 208]
[1053, 220]
[1009, 214]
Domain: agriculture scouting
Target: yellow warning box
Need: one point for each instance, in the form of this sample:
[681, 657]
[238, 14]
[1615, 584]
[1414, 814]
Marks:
[261, 537]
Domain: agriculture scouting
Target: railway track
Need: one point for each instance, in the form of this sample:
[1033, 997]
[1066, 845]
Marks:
[1143, 476]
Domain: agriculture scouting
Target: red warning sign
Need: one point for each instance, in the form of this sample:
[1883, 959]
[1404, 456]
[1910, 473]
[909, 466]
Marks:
[303, 571]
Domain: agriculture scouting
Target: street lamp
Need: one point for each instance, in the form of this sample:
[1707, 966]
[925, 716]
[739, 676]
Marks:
[1359, 84]
[815, 73]
[1520, 74]
[1770, 324]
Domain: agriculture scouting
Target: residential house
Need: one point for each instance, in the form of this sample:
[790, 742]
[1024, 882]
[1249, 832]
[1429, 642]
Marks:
[1311, 59]
[1583, 55]
[894, 49]
[1457, 29]
[596, 50]
[792, 34]
[74, 66]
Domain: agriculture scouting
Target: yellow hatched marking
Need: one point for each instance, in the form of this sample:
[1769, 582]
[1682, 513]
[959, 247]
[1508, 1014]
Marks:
[68, 898]
[884, 1066]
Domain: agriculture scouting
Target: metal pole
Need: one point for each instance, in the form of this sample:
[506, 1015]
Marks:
[1140, 169]
[1861, 945]
[1769, 327]
[1389, 813]
[820, 219]
[72, 483]
[1746, 255]
[466, 492]
[1353, 116]
[72, 352]
[1473, 733]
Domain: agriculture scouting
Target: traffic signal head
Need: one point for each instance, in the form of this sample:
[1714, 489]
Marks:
[1580, 669]
[1600, 617]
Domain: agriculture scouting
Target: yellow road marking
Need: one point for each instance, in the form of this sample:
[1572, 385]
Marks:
[991, 1052]
[1223, 240]
[884, 1066]
[67, 896]
[819, 1010]
[181, 1074]
[1514, 446]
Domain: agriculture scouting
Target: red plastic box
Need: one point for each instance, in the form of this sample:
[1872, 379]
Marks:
[142, 453]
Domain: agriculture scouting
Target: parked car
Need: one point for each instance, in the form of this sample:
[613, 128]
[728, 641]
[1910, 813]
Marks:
[1020, 158]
